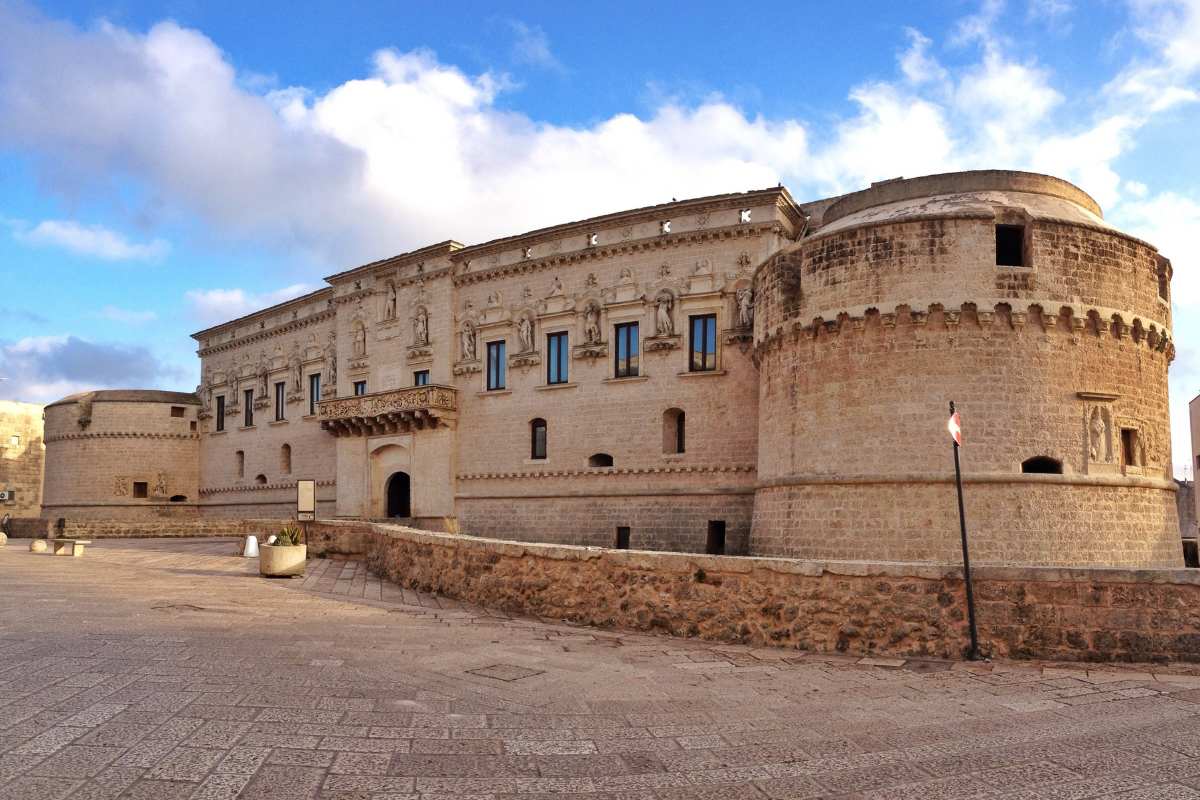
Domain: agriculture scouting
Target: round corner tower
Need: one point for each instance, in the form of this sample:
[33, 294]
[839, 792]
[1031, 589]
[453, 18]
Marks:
[122, 454]
[1007, 293]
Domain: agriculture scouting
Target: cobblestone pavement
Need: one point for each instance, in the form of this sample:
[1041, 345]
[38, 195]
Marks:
[167, 669]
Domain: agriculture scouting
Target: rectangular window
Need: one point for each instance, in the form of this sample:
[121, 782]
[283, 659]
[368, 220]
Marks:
[495, 366]
[556, 357]
[1129, 447]
[220, 412]
[279, 402]
[360, 387]
[176, 411]
[537, 430]
[1010, 245]
[141, 489]
[622, 538]
[421, 377]
[714, 545]
[627, 350]
[248, 411]
[704, 343]
[314, 392]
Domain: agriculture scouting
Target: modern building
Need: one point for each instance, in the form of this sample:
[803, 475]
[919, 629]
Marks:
[738, 373]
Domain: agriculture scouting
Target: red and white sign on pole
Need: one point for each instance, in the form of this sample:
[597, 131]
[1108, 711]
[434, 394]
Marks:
[954, 425]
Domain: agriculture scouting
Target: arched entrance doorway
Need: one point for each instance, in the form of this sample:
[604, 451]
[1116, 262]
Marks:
[399, 496]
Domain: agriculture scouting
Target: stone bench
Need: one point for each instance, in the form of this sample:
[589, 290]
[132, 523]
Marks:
[69, 547]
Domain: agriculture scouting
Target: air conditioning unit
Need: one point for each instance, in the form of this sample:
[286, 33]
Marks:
[5, 496]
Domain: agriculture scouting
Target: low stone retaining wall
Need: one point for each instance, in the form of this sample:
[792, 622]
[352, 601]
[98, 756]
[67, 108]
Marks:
[850, 607]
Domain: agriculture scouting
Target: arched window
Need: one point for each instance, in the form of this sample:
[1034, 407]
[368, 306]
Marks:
[285, 459]
[240, 458]
[537, 438]
[261, 480]
[600, 460]
[674, 426]
[1043, 465]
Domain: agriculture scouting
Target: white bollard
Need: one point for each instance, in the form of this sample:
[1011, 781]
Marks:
[251, 548]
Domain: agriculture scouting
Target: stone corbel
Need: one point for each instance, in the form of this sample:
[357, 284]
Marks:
[661, 344]
[468, 367]
[525, 360]
[590, 351]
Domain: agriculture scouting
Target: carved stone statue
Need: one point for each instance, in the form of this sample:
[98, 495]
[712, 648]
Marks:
[495, 299]
[331, 365]
[525, 334]
[745, 307]
[160, 485]
[389, 307]
[264, 371]
[204, 390]
[421, 327]
[468, 341]
[296, 369]
[556, 287]
[664, 324]
[591, 324]
[1096, 435]
[360, 340]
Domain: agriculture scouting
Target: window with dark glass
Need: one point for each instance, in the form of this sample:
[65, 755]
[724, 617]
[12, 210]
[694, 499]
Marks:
[537, 435]
[220, 412]
[248, 411]
[556, 357]
[421, 377]
[279, 402]
[704, 343]
[314, 392]
[495, 365]
[360, 387]
[627, 350]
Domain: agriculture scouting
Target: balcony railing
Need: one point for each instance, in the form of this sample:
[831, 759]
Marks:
[397, 411]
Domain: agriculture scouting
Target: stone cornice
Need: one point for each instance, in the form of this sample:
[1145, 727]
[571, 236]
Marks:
[121, 435]
[257, 487]
[991, 315]
[242, 320]
[777, 196]
[616, 249]
[267, 333]
[392, 263]
[679, 469]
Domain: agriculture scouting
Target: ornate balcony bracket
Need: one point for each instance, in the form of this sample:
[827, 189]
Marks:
[398, 411]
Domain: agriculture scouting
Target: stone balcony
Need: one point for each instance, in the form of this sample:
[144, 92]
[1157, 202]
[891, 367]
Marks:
[396, 411]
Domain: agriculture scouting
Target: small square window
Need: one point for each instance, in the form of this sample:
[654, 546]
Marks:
[744, 215]
[664, 226]
[421, 378]
[176, 411]
[360, 388]
[141, 489]
[1010, 245]
[14, 440]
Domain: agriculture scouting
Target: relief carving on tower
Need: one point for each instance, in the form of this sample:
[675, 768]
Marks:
[468, 342]
[1099, 424]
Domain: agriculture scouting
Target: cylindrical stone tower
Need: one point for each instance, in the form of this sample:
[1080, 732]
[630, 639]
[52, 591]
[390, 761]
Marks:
[122, 454]
[1009, 294]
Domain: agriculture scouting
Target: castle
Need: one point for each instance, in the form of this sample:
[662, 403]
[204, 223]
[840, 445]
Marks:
[733, 374]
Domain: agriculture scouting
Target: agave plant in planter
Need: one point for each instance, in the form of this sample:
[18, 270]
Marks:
[283, 555]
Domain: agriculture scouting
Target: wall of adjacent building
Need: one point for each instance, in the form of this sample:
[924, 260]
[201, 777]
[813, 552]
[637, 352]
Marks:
[22, 457]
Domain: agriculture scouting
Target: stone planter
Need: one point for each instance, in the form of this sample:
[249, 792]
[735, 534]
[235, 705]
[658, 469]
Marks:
[276, 561]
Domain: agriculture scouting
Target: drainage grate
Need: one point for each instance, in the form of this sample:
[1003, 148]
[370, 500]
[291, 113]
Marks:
[505, 672]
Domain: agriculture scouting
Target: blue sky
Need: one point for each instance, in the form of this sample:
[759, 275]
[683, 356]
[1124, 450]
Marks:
[165, 166]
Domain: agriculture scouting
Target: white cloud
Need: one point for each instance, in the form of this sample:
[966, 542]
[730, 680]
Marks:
[210, 306]
[916, 63]
[126, 316]
[95, 241]
[531, 46]
[42, 369]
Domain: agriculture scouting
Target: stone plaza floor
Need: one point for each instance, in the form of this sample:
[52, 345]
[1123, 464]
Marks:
[162, 669]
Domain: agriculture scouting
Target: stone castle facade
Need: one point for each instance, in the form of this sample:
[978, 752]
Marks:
[738, 374]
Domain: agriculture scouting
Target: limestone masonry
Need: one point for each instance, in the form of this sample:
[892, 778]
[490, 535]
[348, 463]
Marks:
[734, 374]
[21, 458]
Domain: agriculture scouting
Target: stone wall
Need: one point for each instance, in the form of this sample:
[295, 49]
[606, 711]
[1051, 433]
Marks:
[22, 456]
[850, 607]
